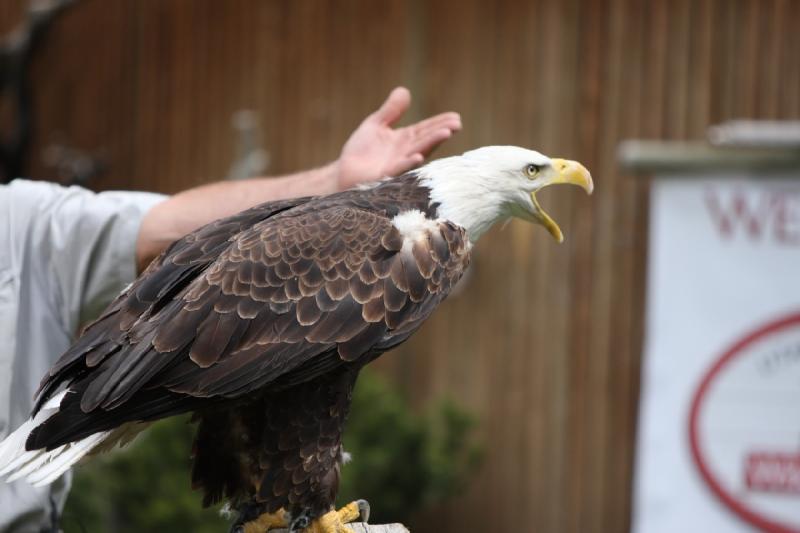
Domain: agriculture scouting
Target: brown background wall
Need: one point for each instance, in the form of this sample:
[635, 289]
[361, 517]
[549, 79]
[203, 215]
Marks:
[544, 341]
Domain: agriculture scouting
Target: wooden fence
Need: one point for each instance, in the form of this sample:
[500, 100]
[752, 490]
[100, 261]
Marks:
[544, 341]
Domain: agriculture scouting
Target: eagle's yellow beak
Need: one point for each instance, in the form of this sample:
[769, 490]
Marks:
[566, 171]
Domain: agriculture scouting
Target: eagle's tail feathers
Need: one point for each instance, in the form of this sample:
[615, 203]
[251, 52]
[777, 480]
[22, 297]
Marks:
[62, 458]
[12, 449]
[41, 467]
[13, 446]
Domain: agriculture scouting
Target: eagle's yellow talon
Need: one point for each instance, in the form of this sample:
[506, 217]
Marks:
[266, 521]
[349, 513]
[334, 521]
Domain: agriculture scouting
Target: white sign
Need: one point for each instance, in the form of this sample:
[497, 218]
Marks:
[719, 422]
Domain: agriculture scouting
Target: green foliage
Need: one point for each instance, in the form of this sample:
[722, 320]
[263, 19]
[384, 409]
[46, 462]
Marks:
[401, 461]
[145, 487]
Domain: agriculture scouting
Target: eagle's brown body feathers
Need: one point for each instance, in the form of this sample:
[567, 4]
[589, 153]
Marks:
[259, 323]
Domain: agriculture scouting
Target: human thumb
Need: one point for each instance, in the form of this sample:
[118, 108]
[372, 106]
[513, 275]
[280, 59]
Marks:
[395, 105]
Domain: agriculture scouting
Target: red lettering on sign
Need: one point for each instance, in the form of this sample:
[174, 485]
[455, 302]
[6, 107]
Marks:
[787, 220]
[773, 472]
[758, 216]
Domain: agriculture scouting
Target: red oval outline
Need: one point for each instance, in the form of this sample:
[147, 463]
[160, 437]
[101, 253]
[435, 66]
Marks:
[738, 507]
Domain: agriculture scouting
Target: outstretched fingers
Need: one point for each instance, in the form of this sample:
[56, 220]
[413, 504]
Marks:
[449, 120]
[424, 144]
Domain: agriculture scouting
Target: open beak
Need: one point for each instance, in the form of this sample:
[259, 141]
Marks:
[567, 171]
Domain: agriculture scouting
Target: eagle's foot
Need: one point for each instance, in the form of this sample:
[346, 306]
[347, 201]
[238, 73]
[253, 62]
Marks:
[265, 522]
[334, 521]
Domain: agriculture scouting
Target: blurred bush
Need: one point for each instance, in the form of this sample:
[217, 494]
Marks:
[402, 461]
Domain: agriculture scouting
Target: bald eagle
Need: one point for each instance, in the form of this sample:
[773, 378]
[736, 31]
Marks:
[260, 323]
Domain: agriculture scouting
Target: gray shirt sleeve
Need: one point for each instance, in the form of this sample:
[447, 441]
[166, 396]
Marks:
[87, 239]
[64, 254]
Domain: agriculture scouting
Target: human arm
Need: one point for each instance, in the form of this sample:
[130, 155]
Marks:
[375, 149]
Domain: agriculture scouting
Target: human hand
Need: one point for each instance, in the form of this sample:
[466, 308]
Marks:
[375, 149]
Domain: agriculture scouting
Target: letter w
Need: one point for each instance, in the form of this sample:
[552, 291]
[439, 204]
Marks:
[738, 212]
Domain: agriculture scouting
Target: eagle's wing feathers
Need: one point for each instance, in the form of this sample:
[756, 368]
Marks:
[169, 273]
[285, 300]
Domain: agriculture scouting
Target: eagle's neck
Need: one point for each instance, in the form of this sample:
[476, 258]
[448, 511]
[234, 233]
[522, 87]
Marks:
[462, 195]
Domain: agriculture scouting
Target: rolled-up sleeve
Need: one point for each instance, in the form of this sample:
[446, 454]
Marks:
[86, 240]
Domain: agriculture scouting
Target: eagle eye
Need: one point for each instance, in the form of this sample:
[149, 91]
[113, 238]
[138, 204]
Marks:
[532, 170]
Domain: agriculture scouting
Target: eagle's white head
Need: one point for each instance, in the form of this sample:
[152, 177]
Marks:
[494, 183]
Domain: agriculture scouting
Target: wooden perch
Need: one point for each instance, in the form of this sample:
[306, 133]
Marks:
[361, 527]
